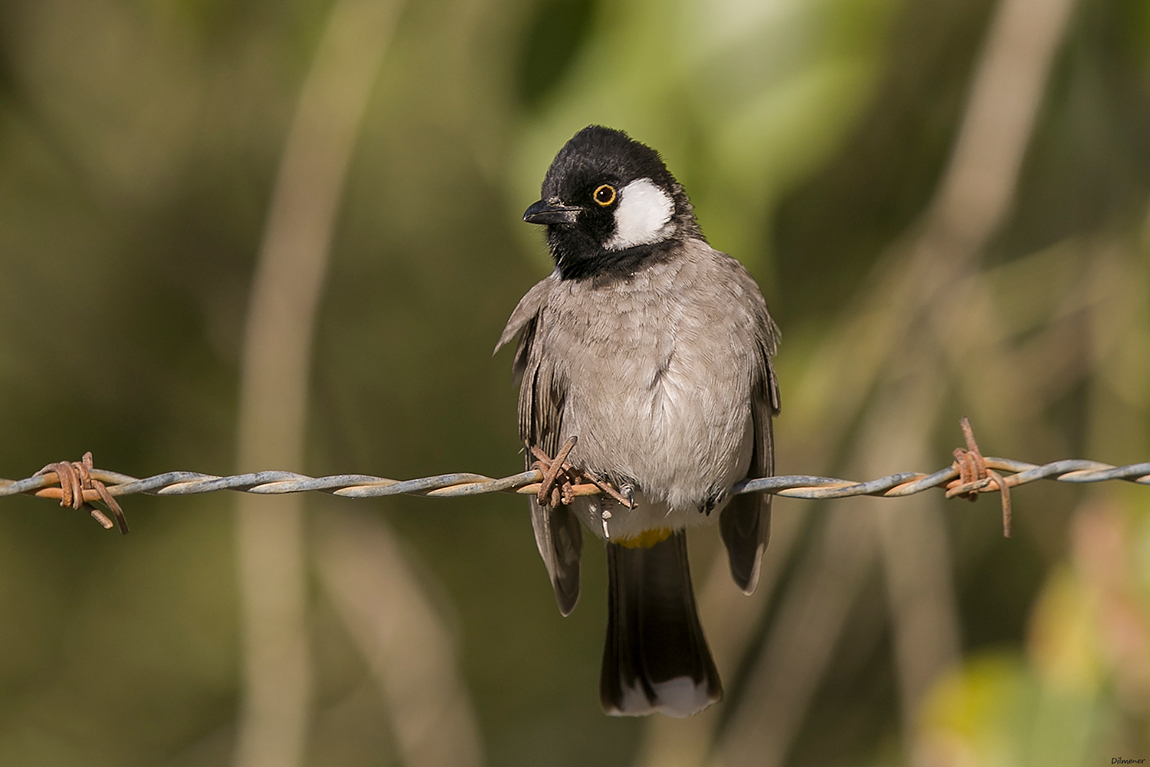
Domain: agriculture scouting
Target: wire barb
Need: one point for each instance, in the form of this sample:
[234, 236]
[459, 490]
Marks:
[550, 493]
[975, 475]
[562, 482]
[78, 489]
[79, 484]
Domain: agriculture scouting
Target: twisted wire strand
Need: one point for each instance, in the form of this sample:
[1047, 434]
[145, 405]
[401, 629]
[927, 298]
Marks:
[527, 482]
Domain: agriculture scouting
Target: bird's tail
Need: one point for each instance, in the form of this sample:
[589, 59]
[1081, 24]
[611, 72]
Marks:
[656, 657]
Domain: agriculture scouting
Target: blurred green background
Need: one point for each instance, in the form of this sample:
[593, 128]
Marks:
[946, 202]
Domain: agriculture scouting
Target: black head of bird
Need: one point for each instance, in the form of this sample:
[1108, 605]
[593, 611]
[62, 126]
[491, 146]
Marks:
[608, 203]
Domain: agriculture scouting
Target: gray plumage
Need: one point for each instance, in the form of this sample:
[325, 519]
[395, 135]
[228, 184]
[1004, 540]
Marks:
[656, 354]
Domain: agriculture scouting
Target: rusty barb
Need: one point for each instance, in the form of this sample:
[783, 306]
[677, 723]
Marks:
[975, 475]
[78, 490]
[78, 485]
[562, 482]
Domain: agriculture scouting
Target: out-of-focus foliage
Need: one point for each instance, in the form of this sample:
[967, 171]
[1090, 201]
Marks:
[1084, 676]
[741, 98]
[139, 144]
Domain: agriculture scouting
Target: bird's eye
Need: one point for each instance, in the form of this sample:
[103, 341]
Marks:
[605, 195]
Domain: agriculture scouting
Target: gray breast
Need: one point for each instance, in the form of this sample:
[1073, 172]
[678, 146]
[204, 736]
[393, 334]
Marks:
[658, 369]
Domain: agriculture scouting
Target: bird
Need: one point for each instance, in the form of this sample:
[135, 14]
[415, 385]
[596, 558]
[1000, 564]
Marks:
[647, 354]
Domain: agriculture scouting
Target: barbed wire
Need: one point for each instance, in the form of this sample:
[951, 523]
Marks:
[79, 484]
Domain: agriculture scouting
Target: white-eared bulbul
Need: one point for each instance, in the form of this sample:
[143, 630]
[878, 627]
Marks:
[655, 350]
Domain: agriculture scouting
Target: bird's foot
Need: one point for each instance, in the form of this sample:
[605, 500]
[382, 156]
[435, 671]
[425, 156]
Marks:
[626, 495]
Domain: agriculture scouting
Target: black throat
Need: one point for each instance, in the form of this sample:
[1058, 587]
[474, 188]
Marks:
[610, 265]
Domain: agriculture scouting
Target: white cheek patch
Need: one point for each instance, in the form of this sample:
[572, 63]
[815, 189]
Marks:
[642, 217]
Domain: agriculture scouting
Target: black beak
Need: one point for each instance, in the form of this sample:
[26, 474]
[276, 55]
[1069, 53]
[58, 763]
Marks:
[544, 212]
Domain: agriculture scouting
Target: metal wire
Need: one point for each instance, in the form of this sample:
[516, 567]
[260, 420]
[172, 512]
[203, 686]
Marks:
[526, 483]
[79, 483]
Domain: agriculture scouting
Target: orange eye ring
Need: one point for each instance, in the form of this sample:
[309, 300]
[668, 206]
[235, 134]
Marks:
[604, 195]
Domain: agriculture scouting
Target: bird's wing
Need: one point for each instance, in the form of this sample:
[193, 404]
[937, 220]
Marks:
[558, 534]
[745, 523]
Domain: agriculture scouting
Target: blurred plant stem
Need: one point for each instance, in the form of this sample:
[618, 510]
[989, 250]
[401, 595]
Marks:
[892, 351]
[1082, 688]
[410, 652]
[277, 680]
